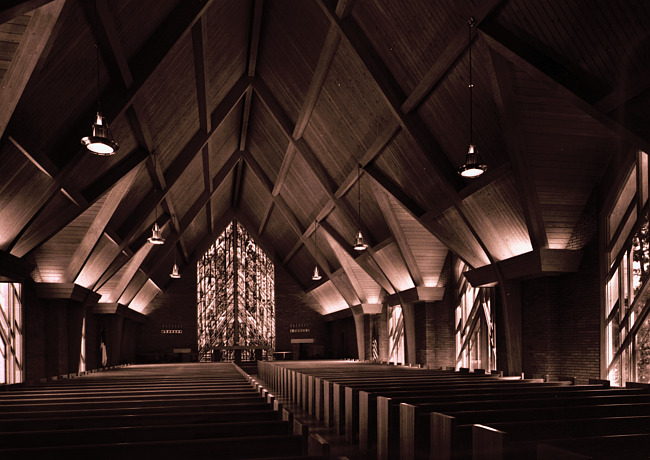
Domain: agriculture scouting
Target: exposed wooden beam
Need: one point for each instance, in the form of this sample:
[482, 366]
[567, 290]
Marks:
[534, 264]
[398, 233]
[13, 8]
[318, 79]
[266, 216]
[394, 97]
[624, 93]
[139, 217]
[199, 39]
[96, 229]
[502, 87]
[14, 269]
[256, 28]
[110, 40]
[580, 90]
[446, 60]
[237, 184]
[116, 99]
[416, 294]
[190, 215]
[27, 54]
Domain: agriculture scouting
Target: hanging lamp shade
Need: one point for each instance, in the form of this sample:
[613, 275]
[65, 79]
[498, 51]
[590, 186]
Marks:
[473, 166]
[359, 244]
[156, 235]
[101, 141]
[175, 273]
[316, 275]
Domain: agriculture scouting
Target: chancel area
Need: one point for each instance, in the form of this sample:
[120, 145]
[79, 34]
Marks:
[373, 229]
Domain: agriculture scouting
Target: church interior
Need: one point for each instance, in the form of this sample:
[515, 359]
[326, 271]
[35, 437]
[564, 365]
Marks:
[336, 204]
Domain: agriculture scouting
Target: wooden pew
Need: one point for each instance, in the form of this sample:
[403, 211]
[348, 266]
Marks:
[167, 418]
[283, 446]
[449, 431]
[417, 412]
[627, 446]
[140, 413]
[130, 434]
[519, 439]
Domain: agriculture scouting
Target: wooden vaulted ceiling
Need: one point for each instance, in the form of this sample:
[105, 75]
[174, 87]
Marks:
[307, 120]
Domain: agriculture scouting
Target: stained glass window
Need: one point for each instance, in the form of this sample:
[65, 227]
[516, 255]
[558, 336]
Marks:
[396, 334]
[11, 334]
[235, 299]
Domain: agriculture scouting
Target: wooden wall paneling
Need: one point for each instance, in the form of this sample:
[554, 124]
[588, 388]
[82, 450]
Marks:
[105, 251]
[392, 264]
[368, 262]
[329, 298]
[106, 209]
[446, 58]
[292, 37]
[396, 230]
[143, 298]
[137, 282]
[26, 56]
[499, 218]
[502, 87]
[428, 251]
[566, 84]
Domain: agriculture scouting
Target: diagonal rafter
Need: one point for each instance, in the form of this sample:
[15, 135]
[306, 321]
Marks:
[502, 87]
[445, 62]
[118, 100]
[28, 53]
[398, 233]
[390, 91]
[139, 218]
[577, 89]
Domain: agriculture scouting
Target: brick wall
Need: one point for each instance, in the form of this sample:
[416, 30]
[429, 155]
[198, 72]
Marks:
[434, 326]
[561, 315]
[174, 309]
[294, 310]
[342, 339]
[298, 312]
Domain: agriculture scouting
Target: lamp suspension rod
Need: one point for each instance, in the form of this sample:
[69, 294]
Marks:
[470, 25]
[359, 191]
[97, 56]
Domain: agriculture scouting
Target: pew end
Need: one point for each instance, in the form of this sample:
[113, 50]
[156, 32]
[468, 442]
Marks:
[548, 452]
[317, 446]
[487, 443]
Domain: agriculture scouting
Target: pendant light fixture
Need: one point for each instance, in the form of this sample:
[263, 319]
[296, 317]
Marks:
[316, 276]
[473, 166]
[101, 141]
[175, 273]
[359, 244]
[156, 233]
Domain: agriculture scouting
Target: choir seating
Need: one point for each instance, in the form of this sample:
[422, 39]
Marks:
[198, 410]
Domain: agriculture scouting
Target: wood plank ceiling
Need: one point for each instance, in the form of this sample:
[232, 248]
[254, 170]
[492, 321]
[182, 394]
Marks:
[308, 120]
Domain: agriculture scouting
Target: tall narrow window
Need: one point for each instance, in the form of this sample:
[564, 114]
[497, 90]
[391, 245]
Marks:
[475, 325]
[11, 334]
[627, 300]
[235, 299]
[396, 334]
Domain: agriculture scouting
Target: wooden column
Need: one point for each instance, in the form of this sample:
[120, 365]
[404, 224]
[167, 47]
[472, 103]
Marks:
[360, 327]
[410, 352]
[63, 309]
[511, 303]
